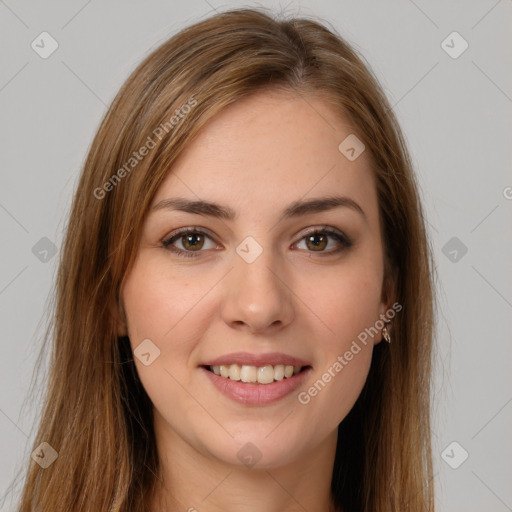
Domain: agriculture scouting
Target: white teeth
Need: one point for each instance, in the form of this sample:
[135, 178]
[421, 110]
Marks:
[251, 374]
[279, 372]
[234, 372]
[265, 374]
[248, 374]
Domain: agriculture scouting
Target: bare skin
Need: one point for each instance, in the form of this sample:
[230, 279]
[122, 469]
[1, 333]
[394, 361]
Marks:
[298, 297]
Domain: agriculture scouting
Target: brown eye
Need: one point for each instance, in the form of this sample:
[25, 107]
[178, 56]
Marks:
[193, 241]
[316, 241]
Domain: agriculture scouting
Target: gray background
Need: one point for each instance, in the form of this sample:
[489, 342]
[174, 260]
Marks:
[456, 116]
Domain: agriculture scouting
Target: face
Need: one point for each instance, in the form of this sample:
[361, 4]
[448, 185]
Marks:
[261, 282]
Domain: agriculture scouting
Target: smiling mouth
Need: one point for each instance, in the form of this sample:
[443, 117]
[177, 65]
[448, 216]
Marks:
[256, 374]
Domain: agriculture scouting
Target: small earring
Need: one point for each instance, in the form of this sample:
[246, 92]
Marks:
[385, 333]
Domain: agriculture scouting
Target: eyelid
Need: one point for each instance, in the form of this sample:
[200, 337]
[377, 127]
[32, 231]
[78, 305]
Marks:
[323, 228]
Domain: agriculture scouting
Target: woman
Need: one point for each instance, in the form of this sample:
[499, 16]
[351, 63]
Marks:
[245, 299]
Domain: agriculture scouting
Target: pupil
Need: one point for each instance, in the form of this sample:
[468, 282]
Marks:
[318, 243]
[190, 240]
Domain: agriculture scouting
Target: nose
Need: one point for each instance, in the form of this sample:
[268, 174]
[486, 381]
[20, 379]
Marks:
[257, 296]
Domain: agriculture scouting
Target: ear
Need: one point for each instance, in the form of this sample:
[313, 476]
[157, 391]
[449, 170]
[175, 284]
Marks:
[388, 296]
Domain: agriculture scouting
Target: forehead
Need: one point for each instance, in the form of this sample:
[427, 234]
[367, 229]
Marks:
[271, 148]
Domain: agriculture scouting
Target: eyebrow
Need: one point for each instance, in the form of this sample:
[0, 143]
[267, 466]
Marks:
[295, 209]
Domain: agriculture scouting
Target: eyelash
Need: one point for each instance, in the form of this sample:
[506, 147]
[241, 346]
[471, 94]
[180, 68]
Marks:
[341, 238]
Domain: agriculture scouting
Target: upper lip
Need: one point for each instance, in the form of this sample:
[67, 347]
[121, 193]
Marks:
[245, 358]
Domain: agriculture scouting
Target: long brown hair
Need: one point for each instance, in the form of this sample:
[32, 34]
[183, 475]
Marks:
[96, 414]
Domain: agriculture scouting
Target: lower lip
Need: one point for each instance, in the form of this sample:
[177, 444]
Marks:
[256, 394]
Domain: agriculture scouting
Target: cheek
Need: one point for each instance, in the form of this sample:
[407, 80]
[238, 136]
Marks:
[164, 307]
[159, 304]
[346, 300]
[345, 350]
[336, 388]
